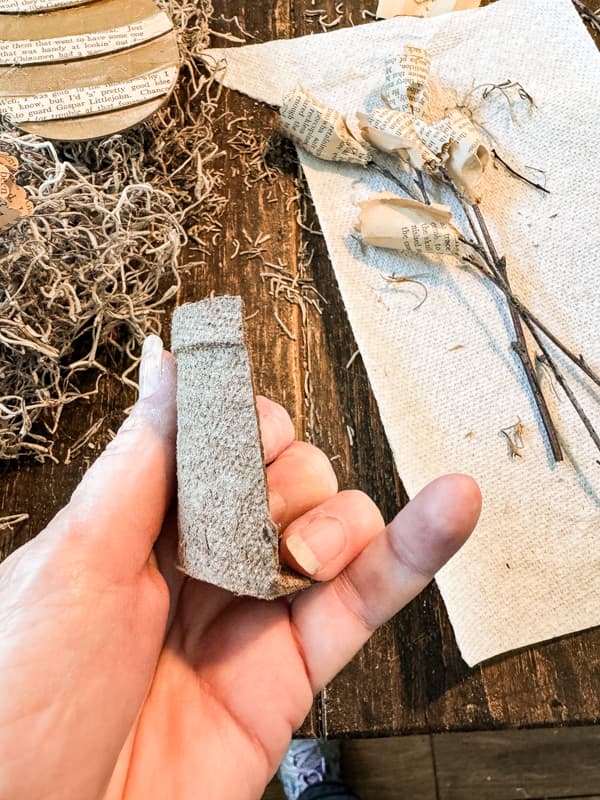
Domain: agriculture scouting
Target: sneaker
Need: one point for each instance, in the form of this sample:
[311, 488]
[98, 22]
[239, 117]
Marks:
[307, 763]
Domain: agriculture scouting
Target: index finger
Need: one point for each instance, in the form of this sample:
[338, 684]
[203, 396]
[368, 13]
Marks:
[276, 428]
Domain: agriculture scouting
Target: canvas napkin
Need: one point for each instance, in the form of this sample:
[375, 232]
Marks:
[444, 375]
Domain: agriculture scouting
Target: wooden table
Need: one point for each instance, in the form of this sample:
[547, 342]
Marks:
[410, 678]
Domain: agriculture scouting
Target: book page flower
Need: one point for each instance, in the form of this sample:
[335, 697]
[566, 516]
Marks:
[320, 130]
[413, 228]
[393, 131]
[468, 154]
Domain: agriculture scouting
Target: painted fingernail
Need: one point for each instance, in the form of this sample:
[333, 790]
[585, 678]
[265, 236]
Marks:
[151, 366]
[317, 544]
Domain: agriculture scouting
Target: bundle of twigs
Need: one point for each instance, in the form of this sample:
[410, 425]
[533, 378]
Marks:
[453, 152]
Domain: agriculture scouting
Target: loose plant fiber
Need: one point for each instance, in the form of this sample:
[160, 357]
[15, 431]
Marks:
[87, 276]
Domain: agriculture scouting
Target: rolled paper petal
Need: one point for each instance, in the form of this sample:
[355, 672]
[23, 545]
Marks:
[434, 137]
[406, 81]
[421, 8]
[394, 132]
[468, 154]
[320, 130]
[414, 228]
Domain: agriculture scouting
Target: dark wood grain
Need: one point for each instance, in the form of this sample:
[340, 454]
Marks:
[516, 764]
[390, 769]
[410, 678]
[274, 791]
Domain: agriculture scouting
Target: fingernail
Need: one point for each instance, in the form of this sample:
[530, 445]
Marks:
[317, 544]
[151, 366]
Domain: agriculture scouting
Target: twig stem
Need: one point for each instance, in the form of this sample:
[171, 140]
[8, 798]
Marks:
[420, 181]
[518, 175]
[578, 360]
[394, 178]
[498, 266]
[546, 359]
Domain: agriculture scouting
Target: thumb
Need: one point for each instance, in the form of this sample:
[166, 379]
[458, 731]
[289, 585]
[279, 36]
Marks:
[117, 511]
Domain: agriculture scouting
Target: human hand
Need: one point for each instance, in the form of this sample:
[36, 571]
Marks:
[122, 678]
